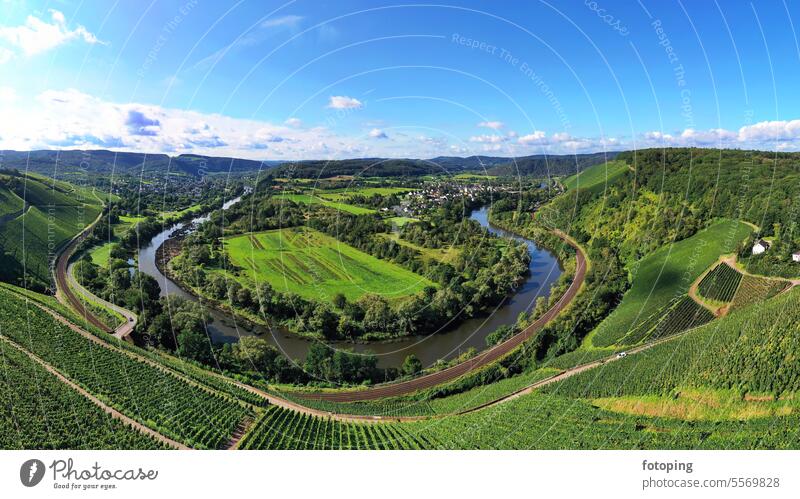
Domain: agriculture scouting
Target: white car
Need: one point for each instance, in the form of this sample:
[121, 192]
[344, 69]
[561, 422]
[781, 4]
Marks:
[622, 354]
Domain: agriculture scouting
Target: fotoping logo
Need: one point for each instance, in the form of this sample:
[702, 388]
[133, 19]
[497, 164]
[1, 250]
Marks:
[31, 472]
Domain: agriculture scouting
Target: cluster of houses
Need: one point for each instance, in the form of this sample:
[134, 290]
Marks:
[762, 245]
[416, 202]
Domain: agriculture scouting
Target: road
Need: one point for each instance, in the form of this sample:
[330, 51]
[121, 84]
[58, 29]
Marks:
[64, 291]
[484, 358]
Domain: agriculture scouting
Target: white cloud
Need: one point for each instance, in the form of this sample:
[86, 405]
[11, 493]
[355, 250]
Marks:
[290, 21]
[5, 55]
[293, 122]
[7, 95]
[494, 125]
[532, 138]
[344, 102]
[377, 133]
[488, 139]
[768, 131]
[37, 36]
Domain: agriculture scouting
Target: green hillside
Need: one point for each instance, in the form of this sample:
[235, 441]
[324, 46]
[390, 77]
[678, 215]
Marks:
[666, 275]
[597, 177]
[37, 217]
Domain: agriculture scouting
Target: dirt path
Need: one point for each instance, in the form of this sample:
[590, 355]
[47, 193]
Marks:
[124, 330]
[108, 410]
[484, 358]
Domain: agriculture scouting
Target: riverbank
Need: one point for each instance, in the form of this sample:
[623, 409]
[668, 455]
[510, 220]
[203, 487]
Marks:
[431, 349]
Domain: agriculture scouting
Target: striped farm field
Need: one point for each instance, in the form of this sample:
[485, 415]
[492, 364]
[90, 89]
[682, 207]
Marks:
[313, 265]
[720, 284]
[754, 289]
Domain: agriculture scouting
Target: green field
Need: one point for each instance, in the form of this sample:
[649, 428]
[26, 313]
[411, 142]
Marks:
[664, 276]
[309, 199]
[304, 261]
[446, 255]
[345, 194]
[101, 254]
[401, 221]
[595, 178]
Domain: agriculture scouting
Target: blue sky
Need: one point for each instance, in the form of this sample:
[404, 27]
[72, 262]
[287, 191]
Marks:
[311, 79]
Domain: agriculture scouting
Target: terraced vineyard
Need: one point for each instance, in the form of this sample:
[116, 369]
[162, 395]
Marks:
[757, 289]
[150, 395]
[678, 315]
[41, 412]
[720, 284]
[751, 351]
[284, 429]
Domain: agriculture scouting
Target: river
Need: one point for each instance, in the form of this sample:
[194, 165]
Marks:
[544, 271]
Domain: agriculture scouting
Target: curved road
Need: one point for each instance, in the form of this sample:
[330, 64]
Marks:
[484, 358]
[63, 279]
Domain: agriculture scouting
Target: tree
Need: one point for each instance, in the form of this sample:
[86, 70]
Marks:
[411, 365]
[339, 301]
[256, 354]
[193, 344]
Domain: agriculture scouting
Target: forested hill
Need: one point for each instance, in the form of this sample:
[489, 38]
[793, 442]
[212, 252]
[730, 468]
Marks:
[760, 187]
[548, 165]
[539, 165]
[63, 164]
[670, 194]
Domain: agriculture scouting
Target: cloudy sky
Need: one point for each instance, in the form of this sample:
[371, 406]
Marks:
[306, 79]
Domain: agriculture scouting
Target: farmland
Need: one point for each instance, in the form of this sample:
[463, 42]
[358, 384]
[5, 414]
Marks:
[720, 284]
[665, 275]
[313, 265]
[152, 396]
[54, 415]
[755, 289]
[596, 178]
[53, 213]
[748, 351]
[311, 199]
[345, 194]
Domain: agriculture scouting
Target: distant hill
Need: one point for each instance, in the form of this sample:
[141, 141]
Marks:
[538, 165]
[63, 164]
[548, 165]
[37, 217]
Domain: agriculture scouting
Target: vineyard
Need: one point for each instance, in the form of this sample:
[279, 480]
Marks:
[156, 398]
[41, 412]
[752, 351]
[661, 277]
[284, 429]
[757, 289]
[199, 374]
[720, 284]
[678, 315]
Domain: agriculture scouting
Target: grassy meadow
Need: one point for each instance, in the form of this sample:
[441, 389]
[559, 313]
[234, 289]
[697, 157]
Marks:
[313, 265]
[595, 178]
[309, 199]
